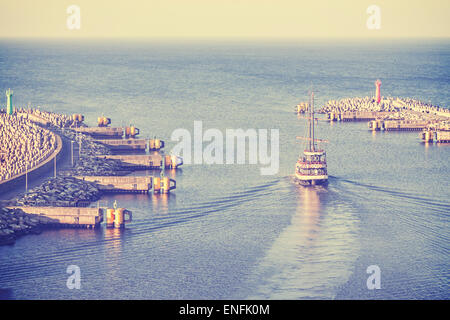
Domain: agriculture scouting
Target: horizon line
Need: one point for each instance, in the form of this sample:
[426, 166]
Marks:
[370, 38]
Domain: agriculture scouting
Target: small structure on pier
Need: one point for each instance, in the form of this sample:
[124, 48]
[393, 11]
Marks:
[103, 121]
[376, 125]
[77, 119]
[155, 144]
[115, 218]
[427, 135]
[131, 131]
[302, 107]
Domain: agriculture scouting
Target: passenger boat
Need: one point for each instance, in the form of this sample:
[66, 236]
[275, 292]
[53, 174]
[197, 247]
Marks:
[311, 166]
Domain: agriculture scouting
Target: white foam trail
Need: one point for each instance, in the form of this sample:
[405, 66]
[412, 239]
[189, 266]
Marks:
[314, 255]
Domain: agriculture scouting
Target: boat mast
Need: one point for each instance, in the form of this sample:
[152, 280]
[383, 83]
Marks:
[312, 121]
[309, 124]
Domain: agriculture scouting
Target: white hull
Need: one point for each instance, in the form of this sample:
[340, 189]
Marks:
[311, 180]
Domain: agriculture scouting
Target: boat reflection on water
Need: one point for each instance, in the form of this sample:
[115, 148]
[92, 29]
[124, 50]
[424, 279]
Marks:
[290, 269]
[308, 212]
[314, 254]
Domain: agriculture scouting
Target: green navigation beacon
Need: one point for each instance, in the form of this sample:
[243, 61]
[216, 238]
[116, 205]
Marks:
[9, 105]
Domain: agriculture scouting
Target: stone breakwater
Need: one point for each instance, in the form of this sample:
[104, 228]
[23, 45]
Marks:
[55, 119]
[59, 192]
[15, 222]
[92, 166]
[88, 146]
[23, 145]
[402, 108]
[358, 104]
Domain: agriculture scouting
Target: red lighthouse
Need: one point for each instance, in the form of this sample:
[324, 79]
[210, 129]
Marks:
[378, 93]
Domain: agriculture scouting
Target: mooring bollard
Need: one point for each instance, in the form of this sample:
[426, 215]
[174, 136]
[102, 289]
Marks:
[155, 144]
[110, 218]
[119, 221]
[166, 185]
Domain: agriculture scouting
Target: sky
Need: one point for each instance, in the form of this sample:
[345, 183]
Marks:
[277, 19]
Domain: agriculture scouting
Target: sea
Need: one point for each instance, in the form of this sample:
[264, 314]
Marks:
[227, 231]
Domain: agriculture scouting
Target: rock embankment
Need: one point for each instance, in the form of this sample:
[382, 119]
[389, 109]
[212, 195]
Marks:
[15, 222]
[89, 147]
[93, 166]
[59, 192]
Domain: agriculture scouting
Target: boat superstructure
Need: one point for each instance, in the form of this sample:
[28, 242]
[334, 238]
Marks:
[311, 167]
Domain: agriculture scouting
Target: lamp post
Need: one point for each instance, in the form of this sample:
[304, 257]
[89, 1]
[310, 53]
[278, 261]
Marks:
[79, 145]
[26, 177]
[71, 151]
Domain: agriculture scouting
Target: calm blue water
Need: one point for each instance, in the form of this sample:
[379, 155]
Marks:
[227, 232]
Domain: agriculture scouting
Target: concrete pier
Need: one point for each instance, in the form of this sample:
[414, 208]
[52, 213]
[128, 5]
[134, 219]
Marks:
[397, 125]
[102, 132]
[137, 162]
[125, 144]
[70, 216]
[443, 136]
[144, 161]
[359, 115]
[429, 135]
[121, 184]
[404, 125]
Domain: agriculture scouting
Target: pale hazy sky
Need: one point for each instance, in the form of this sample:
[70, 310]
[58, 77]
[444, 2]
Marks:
[225, 18]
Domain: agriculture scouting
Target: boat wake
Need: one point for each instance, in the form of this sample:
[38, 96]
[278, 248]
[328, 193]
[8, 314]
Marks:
[314, 254]
[13, 268]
